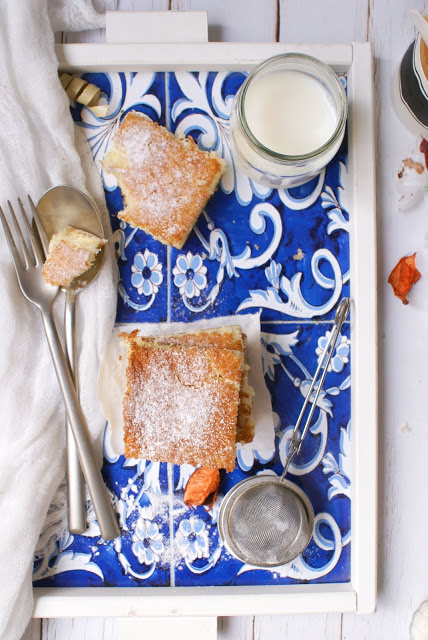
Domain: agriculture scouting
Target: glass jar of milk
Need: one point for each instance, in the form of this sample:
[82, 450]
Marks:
[288, 120]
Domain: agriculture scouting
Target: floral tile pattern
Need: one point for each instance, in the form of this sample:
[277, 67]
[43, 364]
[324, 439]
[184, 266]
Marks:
[288, 350]
[283, 252]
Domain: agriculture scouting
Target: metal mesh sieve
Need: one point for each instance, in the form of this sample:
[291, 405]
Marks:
[267, 521]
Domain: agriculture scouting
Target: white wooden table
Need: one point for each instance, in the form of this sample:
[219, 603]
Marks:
[403, 330]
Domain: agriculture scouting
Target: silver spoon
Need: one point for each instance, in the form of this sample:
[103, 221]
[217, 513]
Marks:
[60, 207]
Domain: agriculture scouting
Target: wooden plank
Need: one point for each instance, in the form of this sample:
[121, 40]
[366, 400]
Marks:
[236, 628]
[209, 601]
[208, 56]
[326, 21]
[403, 548]
[230, 628]
[364, 367]
[179, 628]
[156, 26]
[98, 35]
[236, 20]
[93, 35]
[79, 629]
[298, 627]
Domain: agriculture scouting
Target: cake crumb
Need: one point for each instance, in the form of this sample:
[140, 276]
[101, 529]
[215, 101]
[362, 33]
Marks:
[405, 428]
[299, 255]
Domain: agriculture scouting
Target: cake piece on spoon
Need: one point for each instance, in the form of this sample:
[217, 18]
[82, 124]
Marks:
[71, 253]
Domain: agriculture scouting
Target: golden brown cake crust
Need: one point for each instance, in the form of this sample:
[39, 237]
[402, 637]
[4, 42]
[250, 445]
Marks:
[223, 338]
[246, 424]
[181, 404]
[165, 181]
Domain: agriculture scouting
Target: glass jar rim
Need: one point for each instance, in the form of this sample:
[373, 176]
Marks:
[269, 153]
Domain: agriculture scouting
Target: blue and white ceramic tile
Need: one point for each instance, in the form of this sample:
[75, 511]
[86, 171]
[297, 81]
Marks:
[284, 252]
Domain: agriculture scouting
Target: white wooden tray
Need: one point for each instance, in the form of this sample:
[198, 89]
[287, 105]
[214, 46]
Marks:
[354, 59]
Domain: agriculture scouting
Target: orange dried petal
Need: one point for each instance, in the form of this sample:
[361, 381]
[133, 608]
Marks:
[403, 276]
[423, 148]
[202, 484]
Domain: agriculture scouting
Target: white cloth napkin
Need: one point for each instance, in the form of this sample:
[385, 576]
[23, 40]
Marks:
[38, 151]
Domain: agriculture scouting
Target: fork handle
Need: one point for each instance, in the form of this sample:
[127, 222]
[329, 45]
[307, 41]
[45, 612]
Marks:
[76, 510]
[98, 492]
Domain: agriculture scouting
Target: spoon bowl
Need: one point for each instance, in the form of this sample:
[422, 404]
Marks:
[65, 206]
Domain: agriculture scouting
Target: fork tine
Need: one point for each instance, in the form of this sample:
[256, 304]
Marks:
[27, 256]
[36, 249]
[11, 242]
[39, 226]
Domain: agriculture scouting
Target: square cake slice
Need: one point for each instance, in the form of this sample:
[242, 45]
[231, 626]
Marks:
[181, 403]
[71, 253]
[222, 338]
[165, 180]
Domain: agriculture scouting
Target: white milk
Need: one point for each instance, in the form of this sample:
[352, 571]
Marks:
[290, 113]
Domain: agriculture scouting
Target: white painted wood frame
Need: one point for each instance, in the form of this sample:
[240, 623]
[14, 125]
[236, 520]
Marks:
[360, 594]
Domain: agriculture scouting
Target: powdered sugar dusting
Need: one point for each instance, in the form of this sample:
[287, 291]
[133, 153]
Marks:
[64, 263]
[180, 406]
[165, 181]
[112, 374]
[221, 338]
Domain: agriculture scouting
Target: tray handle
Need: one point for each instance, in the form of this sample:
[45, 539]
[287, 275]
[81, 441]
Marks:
[125, 27]
[168, 628]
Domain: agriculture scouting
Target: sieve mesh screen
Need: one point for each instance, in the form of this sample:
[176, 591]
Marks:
[267, 523]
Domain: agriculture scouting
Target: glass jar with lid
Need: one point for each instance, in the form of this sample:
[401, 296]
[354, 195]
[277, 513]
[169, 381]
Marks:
[288, 120]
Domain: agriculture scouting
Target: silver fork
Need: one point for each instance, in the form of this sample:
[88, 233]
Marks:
[28, 265]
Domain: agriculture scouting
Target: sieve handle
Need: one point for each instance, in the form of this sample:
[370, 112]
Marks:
[296, 441]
